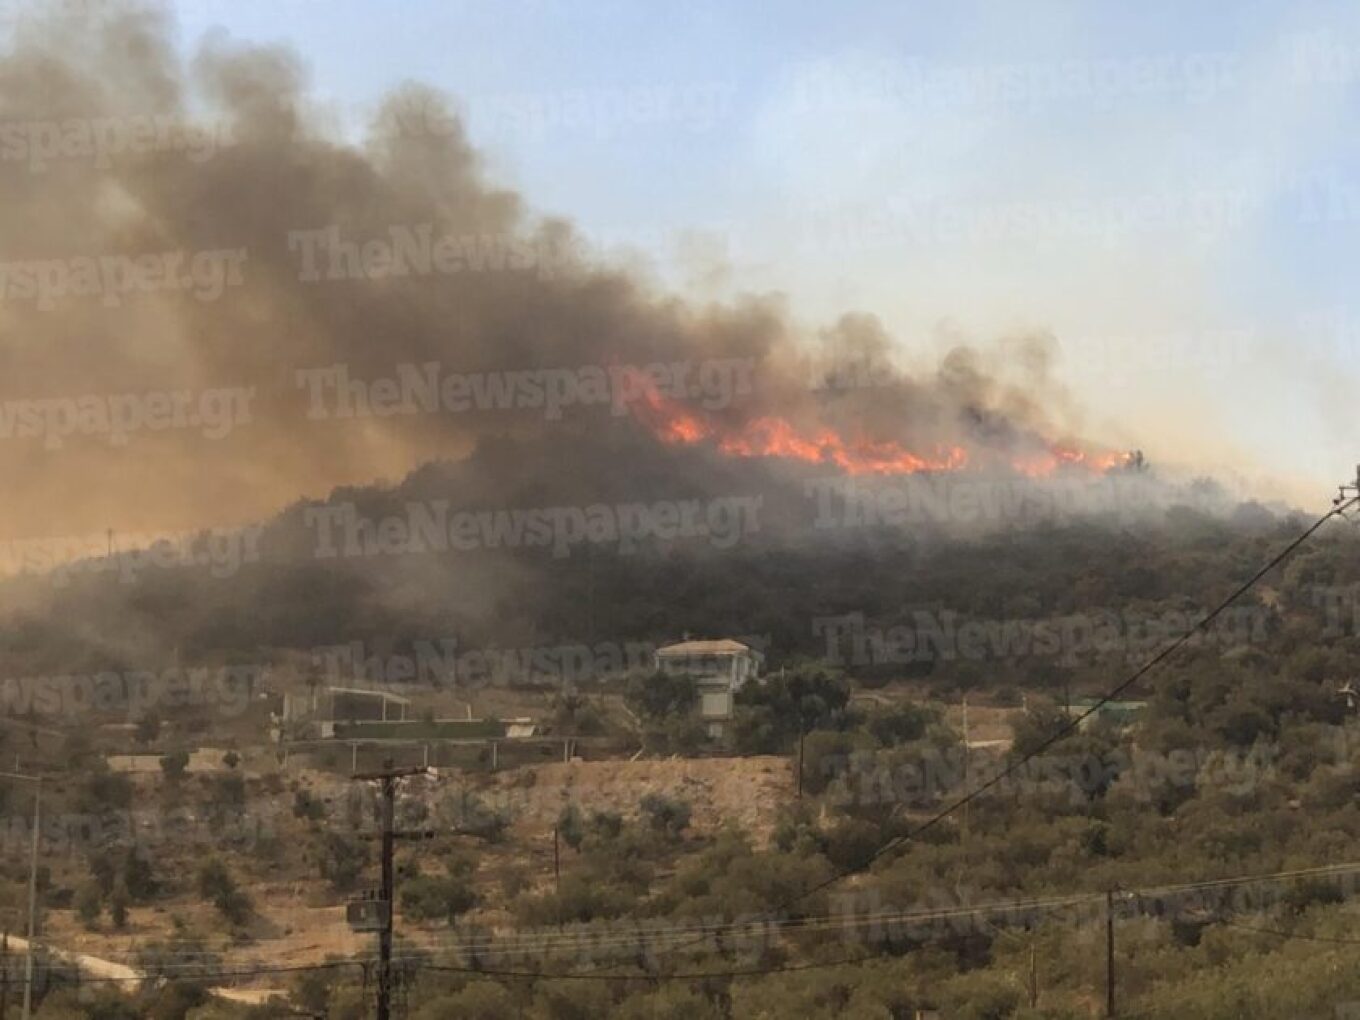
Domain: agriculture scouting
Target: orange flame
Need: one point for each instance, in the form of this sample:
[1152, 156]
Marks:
[771, 436]
[1058, 455]
[775, 437]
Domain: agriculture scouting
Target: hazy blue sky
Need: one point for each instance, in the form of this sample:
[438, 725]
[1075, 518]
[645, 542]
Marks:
[1170, 188]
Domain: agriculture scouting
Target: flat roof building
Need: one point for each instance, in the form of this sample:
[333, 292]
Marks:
[720, 667]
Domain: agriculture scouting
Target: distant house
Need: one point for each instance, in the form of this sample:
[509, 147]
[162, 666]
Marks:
[342, 705]
[1120, 713]
[721, 668]
[467, 730]
[200, 761]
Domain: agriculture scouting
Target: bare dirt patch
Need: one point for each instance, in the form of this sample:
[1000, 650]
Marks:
[746, 791]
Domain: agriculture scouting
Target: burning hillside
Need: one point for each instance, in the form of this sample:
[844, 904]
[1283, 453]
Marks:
[770, 435]
[333, 274]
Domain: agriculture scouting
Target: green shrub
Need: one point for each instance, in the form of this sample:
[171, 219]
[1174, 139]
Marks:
[441, 898]
[666, 814]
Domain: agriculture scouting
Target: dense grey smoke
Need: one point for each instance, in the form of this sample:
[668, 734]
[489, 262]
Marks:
[286, 279]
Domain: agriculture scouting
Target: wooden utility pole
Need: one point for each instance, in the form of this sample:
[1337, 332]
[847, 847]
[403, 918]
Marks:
[32, 884]
[966, 788]
[387, 890]
[1109, 952]
[32, 901]
[1033, 975]
[1348, 493]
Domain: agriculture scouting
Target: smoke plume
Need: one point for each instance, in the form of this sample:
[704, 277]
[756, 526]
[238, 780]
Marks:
[113, 147]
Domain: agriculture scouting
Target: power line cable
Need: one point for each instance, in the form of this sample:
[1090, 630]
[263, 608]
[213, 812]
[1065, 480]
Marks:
[1063, 731]
[1074, 723]
[690, 976]
[421, 959]
[1299, 936]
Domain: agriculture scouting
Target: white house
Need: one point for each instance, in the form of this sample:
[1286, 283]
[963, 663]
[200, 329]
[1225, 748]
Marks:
[721, 668]
[344, 704]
